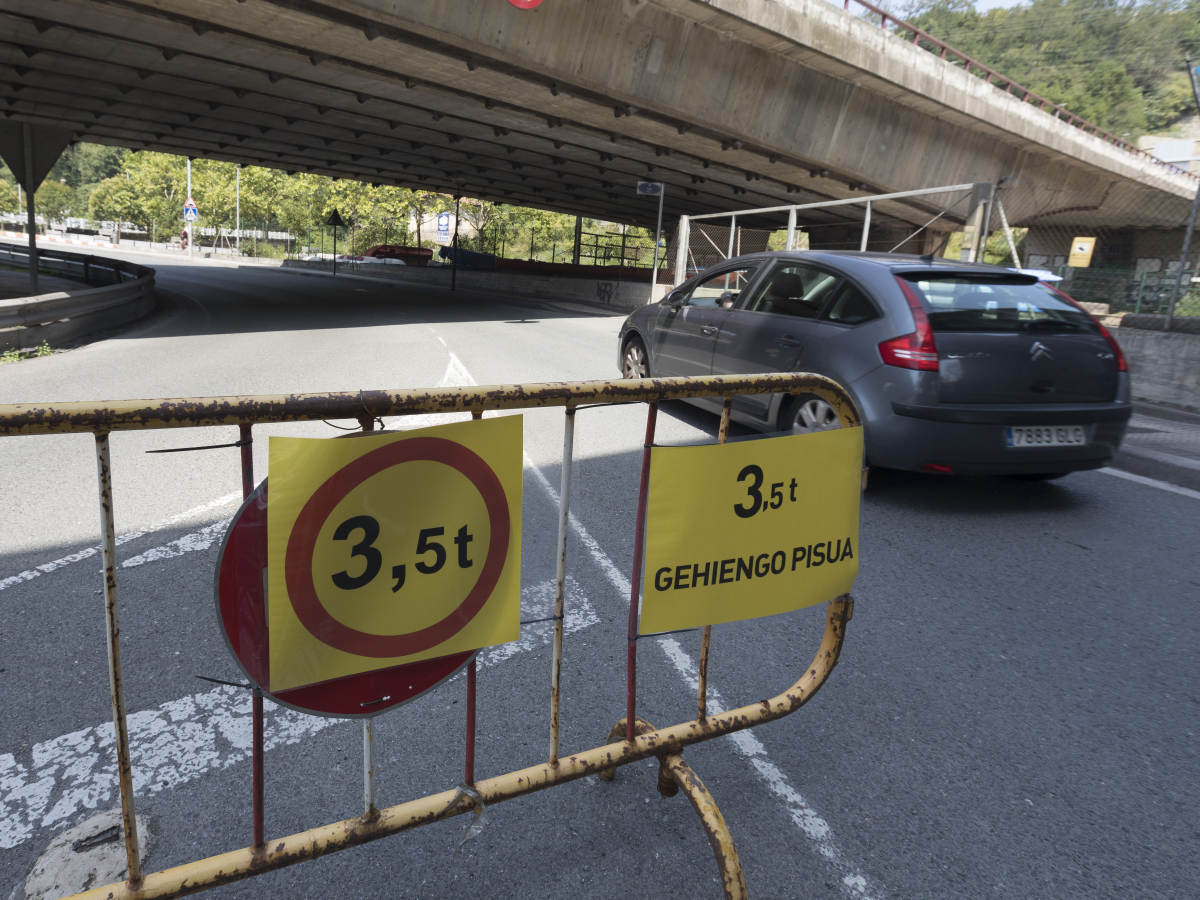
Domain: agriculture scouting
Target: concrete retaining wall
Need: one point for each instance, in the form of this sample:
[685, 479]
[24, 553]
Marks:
[1164, 366]
[125, 294]
[620, 296]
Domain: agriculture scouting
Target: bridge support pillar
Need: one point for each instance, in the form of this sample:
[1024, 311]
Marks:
[30, 152]
[978, 225]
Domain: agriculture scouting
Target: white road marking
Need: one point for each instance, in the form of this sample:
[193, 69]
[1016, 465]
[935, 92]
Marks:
[87, 552]
[176, 743]
[747, 745]
[186, 739]
[1151, 482]
[750, 748]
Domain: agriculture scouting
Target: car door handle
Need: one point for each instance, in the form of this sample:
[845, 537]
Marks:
[709, 329]
[788, 341]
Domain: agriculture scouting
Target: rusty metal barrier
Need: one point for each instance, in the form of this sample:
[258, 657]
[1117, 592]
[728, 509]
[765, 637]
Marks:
[631, 739]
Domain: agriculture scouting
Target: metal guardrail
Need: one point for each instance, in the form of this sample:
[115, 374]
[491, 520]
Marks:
[113, 283]
[927, 41]
[631, 739]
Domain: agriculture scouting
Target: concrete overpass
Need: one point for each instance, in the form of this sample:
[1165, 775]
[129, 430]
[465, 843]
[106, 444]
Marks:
[733, 104]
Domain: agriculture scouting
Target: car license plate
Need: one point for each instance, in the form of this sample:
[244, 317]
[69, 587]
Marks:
[1045, 435]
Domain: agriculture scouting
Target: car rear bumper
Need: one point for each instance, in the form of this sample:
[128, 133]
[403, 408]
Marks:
[972, 440]
[1018, 414]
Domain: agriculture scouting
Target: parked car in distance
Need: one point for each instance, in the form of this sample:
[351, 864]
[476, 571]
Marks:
[956, 368]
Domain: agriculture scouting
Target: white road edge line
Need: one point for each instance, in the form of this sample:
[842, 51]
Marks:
[1151, 482]
[747, 745]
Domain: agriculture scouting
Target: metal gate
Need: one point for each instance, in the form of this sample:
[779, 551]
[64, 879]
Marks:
[631, 739]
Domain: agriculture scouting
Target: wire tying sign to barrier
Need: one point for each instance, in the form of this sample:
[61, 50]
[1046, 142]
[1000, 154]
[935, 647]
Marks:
[392, 548]
[774, 527]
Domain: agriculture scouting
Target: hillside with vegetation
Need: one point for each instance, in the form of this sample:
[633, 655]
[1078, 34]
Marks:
[1119, 65]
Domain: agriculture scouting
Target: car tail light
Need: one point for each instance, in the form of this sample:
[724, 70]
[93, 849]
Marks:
[1122, 366]
[916, 350]
[939, 468]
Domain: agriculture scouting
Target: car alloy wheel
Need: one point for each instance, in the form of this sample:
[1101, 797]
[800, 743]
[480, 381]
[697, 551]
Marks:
[809, 414]
[634, 362]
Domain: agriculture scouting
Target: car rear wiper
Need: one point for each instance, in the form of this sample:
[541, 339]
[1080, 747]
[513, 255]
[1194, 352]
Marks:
[1052, 325]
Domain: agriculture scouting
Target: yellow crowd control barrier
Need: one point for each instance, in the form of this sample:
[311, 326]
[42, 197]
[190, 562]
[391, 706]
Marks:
[632, 739]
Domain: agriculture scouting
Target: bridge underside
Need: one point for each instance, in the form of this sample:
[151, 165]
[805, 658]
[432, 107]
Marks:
[733, 104]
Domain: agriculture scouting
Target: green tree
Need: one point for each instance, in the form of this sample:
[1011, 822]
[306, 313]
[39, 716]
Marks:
[424, 207]
[1112, 62]
[115, 200]
[84, 164]
[53, 200]
[8, 190]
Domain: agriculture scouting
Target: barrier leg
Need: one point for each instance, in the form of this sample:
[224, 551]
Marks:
[115, 681]
[257, 751]
[560, 578]
[719, 836]
[674, 775]
[635, 581]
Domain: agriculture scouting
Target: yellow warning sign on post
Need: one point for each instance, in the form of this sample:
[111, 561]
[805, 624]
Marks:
[386, 549]
[1081, 252]
[753, 528]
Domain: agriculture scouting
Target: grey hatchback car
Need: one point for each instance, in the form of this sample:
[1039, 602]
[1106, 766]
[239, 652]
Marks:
[957, 368]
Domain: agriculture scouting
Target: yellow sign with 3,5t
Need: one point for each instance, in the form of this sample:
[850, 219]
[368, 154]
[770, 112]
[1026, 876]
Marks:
[753, 528]
[391, 548]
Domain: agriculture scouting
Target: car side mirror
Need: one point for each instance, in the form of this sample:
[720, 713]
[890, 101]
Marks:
[674, 299]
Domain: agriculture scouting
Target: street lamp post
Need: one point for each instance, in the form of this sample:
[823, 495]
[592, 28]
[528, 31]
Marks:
[238, 206]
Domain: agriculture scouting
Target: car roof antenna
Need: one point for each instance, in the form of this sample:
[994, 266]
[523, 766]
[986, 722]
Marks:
[927, 258]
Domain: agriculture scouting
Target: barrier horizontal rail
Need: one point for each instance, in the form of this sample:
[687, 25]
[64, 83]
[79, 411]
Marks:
[186, 412]
[640, 739]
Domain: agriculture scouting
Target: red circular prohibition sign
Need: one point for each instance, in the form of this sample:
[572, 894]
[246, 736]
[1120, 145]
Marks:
[298, 562]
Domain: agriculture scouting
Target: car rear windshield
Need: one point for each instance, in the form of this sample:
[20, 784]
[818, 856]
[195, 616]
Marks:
[958, 303]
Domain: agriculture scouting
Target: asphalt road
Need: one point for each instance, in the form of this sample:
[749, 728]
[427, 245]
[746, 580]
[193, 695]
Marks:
[1014, 714]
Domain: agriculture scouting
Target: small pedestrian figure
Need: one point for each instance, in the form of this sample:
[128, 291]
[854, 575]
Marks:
[183, 239]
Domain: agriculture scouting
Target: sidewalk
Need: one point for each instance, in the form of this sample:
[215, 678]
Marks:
[1162, 442]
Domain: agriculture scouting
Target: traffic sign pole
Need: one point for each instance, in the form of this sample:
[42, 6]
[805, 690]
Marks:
[190, 229]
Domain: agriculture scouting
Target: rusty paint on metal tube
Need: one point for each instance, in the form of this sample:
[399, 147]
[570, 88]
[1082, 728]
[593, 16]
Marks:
[127, 415]
[115, 678]
[238, 864]
[719, 836]
[635, 581]
[706, 634]
[560, 579]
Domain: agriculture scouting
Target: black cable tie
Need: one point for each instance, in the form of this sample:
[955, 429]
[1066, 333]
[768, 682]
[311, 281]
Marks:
[537, 621]
[202, 447]
[665, 633]
[236, 684]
